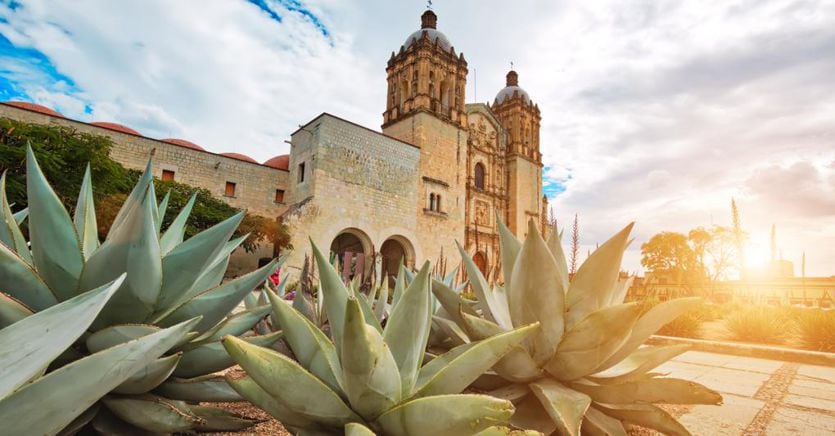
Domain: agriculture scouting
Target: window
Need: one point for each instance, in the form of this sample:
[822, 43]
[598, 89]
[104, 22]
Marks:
[301, 172]
[230, 189]
[167, 175]
[432, 201]
[479, 175]
[438, 203]
[279, 196]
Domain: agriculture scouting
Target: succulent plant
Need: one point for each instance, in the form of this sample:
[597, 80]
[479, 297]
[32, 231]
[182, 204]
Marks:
[168, 281]
[369, 379]
[585, 368]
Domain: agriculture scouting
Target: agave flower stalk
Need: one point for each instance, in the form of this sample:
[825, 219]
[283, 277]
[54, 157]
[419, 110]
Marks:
[585, 369]
[169, 281]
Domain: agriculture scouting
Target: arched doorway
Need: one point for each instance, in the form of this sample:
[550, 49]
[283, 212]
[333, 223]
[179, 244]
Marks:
[352, 249]
[480, 261]
[395, 251]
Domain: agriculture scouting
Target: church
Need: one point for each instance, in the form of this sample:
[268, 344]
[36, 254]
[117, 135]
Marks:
[438, 171]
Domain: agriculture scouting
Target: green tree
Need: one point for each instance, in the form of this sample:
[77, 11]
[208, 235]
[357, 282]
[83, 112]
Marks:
[669, 254]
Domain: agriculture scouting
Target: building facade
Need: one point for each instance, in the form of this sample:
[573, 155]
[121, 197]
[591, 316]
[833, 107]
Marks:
[440, 171]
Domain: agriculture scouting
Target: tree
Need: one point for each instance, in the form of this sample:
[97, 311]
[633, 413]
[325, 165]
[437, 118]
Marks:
[575, 246]
[669, 254]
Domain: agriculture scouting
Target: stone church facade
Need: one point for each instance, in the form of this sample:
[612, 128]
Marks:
[438, 173]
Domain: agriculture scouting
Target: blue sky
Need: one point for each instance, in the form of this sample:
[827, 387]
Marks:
[653, 111]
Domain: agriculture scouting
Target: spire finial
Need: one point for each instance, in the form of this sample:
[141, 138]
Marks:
[429, 4]
[511, 65]
[428, 20]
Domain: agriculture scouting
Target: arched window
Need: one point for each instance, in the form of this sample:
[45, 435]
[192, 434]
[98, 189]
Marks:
[431, 201]
[404, 94]
[438, 203]
[479, 176]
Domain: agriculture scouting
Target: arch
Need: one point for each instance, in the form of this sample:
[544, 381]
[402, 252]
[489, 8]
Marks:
[404, 93]
[479, 175]
[395, 250]
[353, 251]
[445, 94]
[480, 260]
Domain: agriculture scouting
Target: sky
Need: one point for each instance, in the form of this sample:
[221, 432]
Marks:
[658, 112]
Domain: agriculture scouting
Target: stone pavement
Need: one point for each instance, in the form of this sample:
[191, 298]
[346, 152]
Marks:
[762, 397]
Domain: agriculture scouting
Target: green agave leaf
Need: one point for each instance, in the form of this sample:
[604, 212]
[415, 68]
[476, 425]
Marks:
[313, 350]
[407, 329]
[598, 423]
[80, 421]
[493, 306]
[149, 377]
[369, 372]
[162, 209]
[153, 413]
[450, 301]
[55, 249]
[53, 401]
[11, 311]
[460, 371]
[184, 264]
[334, 294]
[290, 384]
[215, 419]
[357, 429]
[399, 286]
[40, 338]
[452, 330]
[536, 294]
[565, 406]
[135, 198]
[85, 217]
[645, 415]
[555, 247]
[208, 358]
[621, 288]
[236, 324]
[638, 363]
[509, 247]
[517, 365]
[367, 311]
[595, 280]
[18, 279]
[514, 392]
[593, 340]
[118, 334]
[152, 192]
[213, 275]
[451, 415]
[253, 393]
[207, 388]
[653, 390]
[106, 423]
[381, 303]
[177, 230]
[647, 325]
[132, 248]
[216, 303]
[530, 414]
[10, 234]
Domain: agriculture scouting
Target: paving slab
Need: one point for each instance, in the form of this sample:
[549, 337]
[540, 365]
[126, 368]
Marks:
[731, 418]
[733, 381]
[788, 421]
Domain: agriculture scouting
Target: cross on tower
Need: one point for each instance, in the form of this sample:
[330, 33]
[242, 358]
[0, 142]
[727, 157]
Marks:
[429, 4]
[511, 65]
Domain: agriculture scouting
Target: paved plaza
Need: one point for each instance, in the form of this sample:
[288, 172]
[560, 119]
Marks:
[767, 397]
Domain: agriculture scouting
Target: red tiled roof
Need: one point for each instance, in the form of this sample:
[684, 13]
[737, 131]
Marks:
[183, 143]
[115, 126]
[239, 156]
[281, 162]
[34, 107]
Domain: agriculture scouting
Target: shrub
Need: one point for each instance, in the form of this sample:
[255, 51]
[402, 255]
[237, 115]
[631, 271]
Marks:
[688, 325]
[761, 324]
[817, 329]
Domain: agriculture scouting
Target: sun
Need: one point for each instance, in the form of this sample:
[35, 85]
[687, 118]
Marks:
[756, 255]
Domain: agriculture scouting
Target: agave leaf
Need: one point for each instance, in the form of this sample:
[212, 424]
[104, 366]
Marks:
[399, 286]
[274, 372]
[593, 284]
[555, 247]
[450, 301]
[369, 371]
[38, 339]
[357, 429]
[184, 264]
[248, 389]
[530, 414]
[162, 209]
[638, 363]
[310, 346]
[85, 217]
[653, 390]
[149, 377]
[118, 334]
[565, 406]
[452, 330]
[517, 365]
[213, 275]
[135, 197]
[215, 419]
[621, 288]
[598, 423]
[368, 312]
[333, 293]
[645, 415]
[407, 329]
[205, 359]
[12, 311]
[106, 423]
[18, 279]
[509, 247]
[452, 415]
[55, 249]
[216, 303]
[208, 388]
[536, 294]
[494, 306]
[236, 324]
[177, 230]
[381, 303]
[152, 413]
[80, 421]
[53, 401]
[9, 225]
[465, 367]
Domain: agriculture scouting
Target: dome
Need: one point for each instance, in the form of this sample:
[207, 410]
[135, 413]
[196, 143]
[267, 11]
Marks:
[183, 143]
[116, 127]
[279, 162]
[34, 107]
[507, 92]
[428, 24]
[239, 156]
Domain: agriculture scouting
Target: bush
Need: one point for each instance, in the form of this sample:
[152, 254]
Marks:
[760, 324]
[817, 329]
[688, 325]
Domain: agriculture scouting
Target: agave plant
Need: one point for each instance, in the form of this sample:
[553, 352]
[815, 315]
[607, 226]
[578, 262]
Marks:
[168, 281]
[585, 369]
[370, 379]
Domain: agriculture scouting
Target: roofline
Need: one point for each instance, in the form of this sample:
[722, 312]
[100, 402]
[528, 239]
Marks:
[302, 127]
[62, 117]
[483, 107]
